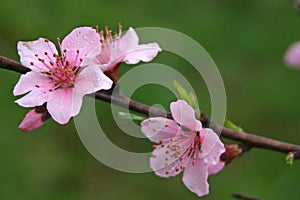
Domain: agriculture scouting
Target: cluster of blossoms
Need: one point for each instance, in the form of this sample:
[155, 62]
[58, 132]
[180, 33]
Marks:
[56, 84]
[88, 61]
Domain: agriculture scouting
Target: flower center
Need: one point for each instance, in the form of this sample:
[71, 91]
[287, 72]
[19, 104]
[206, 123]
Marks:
[63, 76]
[60, 70]
[182, 148]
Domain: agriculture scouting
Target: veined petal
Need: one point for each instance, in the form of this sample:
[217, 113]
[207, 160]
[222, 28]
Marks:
[82, 43]
[170, 157]
[132, 53]
[37, 54]
[195, 177]
[30, 81]
[36, 97]
[211, 146]
[184, 114]
[129, 40]
[91, 79]
[64, 104]
[163, 164]
[159, 128]
[171, 169]
[144, 52]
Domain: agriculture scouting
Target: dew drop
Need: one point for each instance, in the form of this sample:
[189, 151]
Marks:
[214, 161]
[86, 37]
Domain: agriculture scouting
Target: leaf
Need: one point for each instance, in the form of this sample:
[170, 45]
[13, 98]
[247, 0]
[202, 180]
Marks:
[289, 159]
[190, 98]
[181, 91]
[194, 104]
[131, 117]
[231, 125]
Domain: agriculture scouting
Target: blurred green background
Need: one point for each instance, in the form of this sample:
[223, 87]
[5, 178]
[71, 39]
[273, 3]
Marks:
[246, 39]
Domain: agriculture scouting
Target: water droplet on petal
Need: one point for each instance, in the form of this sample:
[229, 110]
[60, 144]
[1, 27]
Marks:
[205, 160]
[215, 160]
[85, 37]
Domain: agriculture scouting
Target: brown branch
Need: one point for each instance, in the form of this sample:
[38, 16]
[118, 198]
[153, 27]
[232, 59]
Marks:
[244, 197]
[246, 138]
[9, 64]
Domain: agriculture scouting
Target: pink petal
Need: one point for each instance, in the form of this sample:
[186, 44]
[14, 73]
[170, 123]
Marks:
[104, 56]
[132, 52]
[144, 52]
[163, 160]
[64, 104]
[170, 170]
[31, 121]
[129, 40]
[292, 55]
[91, 79]
[159, 128]
[184, 114]
[30, 52]
[30, 81]
[213, 169]
[163, 164]
[195, 177]
[84, 39]
[211, 146]
[36, 97]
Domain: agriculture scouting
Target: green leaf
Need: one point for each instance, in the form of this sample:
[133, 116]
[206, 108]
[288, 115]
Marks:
[181, 91]
[231, 125]
[190, 98]
[131, 117]
[289, 159]
[194, 104]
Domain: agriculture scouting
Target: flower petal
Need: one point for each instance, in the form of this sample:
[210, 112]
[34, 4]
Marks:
[163, 164]
[31, 121]
[292, 55]
[211, 146]
[35, 118]
[159, 128]
[132, 52]
[213, 169]
[184, 114]
[144, 52]
[30, 81]
[91, 79]
[195, 177]
[64, 104]
[36, 97]
[86, 40]
[31, 52]
[170, 157]
[129, 40]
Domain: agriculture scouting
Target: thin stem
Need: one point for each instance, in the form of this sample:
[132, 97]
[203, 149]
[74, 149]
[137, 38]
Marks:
[247, 138]
[9, 64]
[244, 197]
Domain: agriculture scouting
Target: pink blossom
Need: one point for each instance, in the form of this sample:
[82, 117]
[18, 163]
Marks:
[184, 146]
[292, 55]
[126, 48]
[61, 81]
[34, 118]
